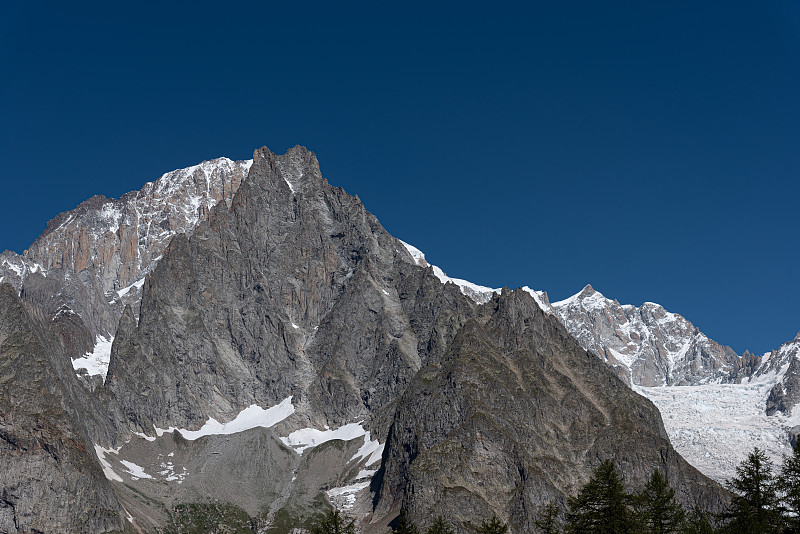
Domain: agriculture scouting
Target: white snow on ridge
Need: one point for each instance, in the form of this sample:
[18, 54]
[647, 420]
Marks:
[594, 301]
[416, 253]
[540, 298]
[96, 362]
[251, 417]
[478, 293]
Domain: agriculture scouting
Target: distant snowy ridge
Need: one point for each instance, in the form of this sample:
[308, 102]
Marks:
[122, 238]
[97, 255]
[648, 345]
[713, 405]
[712, 419]
[478, 293]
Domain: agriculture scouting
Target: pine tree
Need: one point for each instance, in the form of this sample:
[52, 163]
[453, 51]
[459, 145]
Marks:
[440, 526]
[547, 519]
[755, 507]
[404, 525]
[493, 526]
[789, 484]
[334, 523]
[697, 522]
[657, 510]
[602, 506]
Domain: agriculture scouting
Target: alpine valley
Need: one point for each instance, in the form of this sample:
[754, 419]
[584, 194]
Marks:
[241, 342]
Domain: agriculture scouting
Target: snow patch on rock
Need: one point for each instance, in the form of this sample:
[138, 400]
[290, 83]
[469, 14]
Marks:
[306, 438]
[107, 470]
[135, 471]
[251, 417]
[345, 497]
[96, 362]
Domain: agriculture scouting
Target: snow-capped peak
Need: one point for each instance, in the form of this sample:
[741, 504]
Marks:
[649, 345]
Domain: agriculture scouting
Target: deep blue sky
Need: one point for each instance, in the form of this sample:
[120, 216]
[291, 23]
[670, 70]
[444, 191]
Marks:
[650, 150]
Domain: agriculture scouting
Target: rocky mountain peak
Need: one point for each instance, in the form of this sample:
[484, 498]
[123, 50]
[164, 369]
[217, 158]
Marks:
[783, 366]
[647, 345]
[510, 418]
[250, 318]
[298, 167]
[92, 260]
[121, 238]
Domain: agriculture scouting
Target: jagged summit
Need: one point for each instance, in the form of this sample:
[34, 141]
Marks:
[248, 313]
[648, 345]
[92, 260]
[121, 238]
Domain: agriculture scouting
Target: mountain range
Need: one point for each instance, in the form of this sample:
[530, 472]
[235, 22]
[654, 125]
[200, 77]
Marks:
[245, 340]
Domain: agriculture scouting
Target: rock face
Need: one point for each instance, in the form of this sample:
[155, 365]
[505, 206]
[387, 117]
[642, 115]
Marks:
[91, 256]
[517, 414]
[120, 239]
[784, 364]
[49, 475]
[294, 290]
[290, 291]
[647, 346]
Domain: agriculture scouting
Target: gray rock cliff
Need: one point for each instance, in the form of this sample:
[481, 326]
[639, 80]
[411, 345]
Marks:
[50, 480]
[517, 414]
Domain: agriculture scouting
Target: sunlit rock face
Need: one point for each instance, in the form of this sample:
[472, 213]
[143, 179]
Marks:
[647, 346]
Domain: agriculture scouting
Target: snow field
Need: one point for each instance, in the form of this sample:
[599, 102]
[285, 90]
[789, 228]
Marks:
[715, 426]
[96, 362]
[251, 417]
[306, 438]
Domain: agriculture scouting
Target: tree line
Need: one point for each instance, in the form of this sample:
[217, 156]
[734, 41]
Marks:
[335, 523]
[763, 502]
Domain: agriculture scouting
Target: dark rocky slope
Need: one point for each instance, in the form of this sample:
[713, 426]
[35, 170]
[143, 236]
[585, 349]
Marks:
[49, 475]
[515, 415]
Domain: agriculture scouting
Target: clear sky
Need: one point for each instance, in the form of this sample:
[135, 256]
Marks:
[648, 148]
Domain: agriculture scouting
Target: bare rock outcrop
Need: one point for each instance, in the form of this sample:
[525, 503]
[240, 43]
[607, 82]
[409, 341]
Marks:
[50, 479]
[648, 345]
[515, 415]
